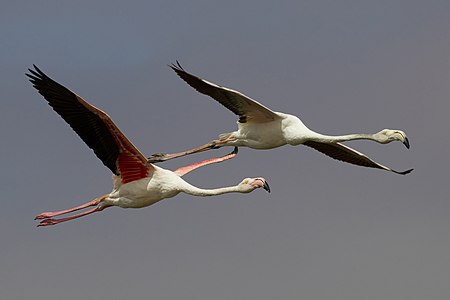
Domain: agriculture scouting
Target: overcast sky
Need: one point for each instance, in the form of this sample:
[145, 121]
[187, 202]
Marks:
[328, 230]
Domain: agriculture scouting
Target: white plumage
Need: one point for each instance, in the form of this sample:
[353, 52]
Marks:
[261, 128]
[137, 183]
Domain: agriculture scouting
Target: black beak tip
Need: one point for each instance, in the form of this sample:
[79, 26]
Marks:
[406, 172]
[266, 187]
[406, 143]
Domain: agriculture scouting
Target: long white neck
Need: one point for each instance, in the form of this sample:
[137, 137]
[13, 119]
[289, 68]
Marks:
[342, 138]
[295, 133]
[195, 191]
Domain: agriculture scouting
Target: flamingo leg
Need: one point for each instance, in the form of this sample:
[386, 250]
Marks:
[94, 202]
[48, 222]
[184, 170]
[160, 157]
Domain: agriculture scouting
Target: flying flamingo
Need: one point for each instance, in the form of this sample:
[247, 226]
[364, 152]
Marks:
[137, 183]
[261, 128]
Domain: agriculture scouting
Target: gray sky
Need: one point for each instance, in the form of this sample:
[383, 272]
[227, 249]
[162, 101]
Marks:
[328, 230]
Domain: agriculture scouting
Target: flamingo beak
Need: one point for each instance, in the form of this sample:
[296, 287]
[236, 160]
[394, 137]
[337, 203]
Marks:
[406, 142]
[266, 186]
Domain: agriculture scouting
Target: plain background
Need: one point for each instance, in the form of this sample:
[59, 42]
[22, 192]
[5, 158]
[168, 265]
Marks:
[328, 230]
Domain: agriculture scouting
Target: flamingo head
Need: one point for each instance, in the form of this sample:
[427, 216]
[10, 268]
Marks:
[250, 184]
[388, 135]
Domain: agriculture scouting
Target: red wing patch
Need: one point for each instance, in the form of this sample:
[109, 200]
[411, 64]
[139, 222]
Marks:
[131, 164]
[131, 168]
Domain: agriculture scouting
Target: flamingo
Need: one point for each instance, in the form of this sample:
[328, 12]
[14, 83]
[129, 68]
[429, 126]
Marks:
[137, 183]
[262, 128]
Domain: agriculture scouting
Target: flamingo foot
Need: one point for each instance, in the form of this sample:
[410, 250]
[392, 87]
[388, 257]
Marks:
[48, 222]
[156, 157]
[48, 214]
[45, 215]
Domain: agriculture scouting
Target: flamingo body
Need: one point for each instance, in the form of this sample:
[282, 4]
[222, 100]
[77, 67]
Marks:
[137, 183]
[146, 191]
[272, 134]
[262, 128]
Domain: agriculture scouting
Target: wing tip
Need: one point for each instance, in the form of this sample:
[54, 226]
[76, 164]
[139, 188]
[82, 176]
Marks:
[176, 66]
[35, 75]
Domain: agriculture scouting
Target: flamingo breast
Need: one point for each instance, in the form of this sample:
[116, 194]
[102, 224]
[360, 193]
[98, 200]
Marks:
[146, 191]
[261, 135]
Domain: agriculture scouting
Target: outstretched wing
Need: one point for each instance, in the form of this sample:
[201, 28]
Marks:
[344, 153]
[246, 108]
[184, 170]
[94, 127]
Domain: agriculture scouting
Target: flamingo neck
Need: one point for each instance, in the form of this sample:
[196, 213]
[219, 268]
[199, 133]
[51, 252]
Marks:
[295, 133]
[195, 191]
[342, 138]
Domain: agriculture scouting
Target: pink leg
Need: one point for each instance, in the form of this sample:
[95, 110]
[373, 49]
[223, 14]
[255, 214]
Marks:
[48, 222]
[184, 170]
[159, 157]
[94, 202]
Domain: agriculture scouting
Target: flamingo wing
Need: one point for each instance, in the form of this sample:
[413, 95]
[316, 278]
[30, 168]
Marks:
[346, 154]
[246, 108]
[94, 127]
[184, 170]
